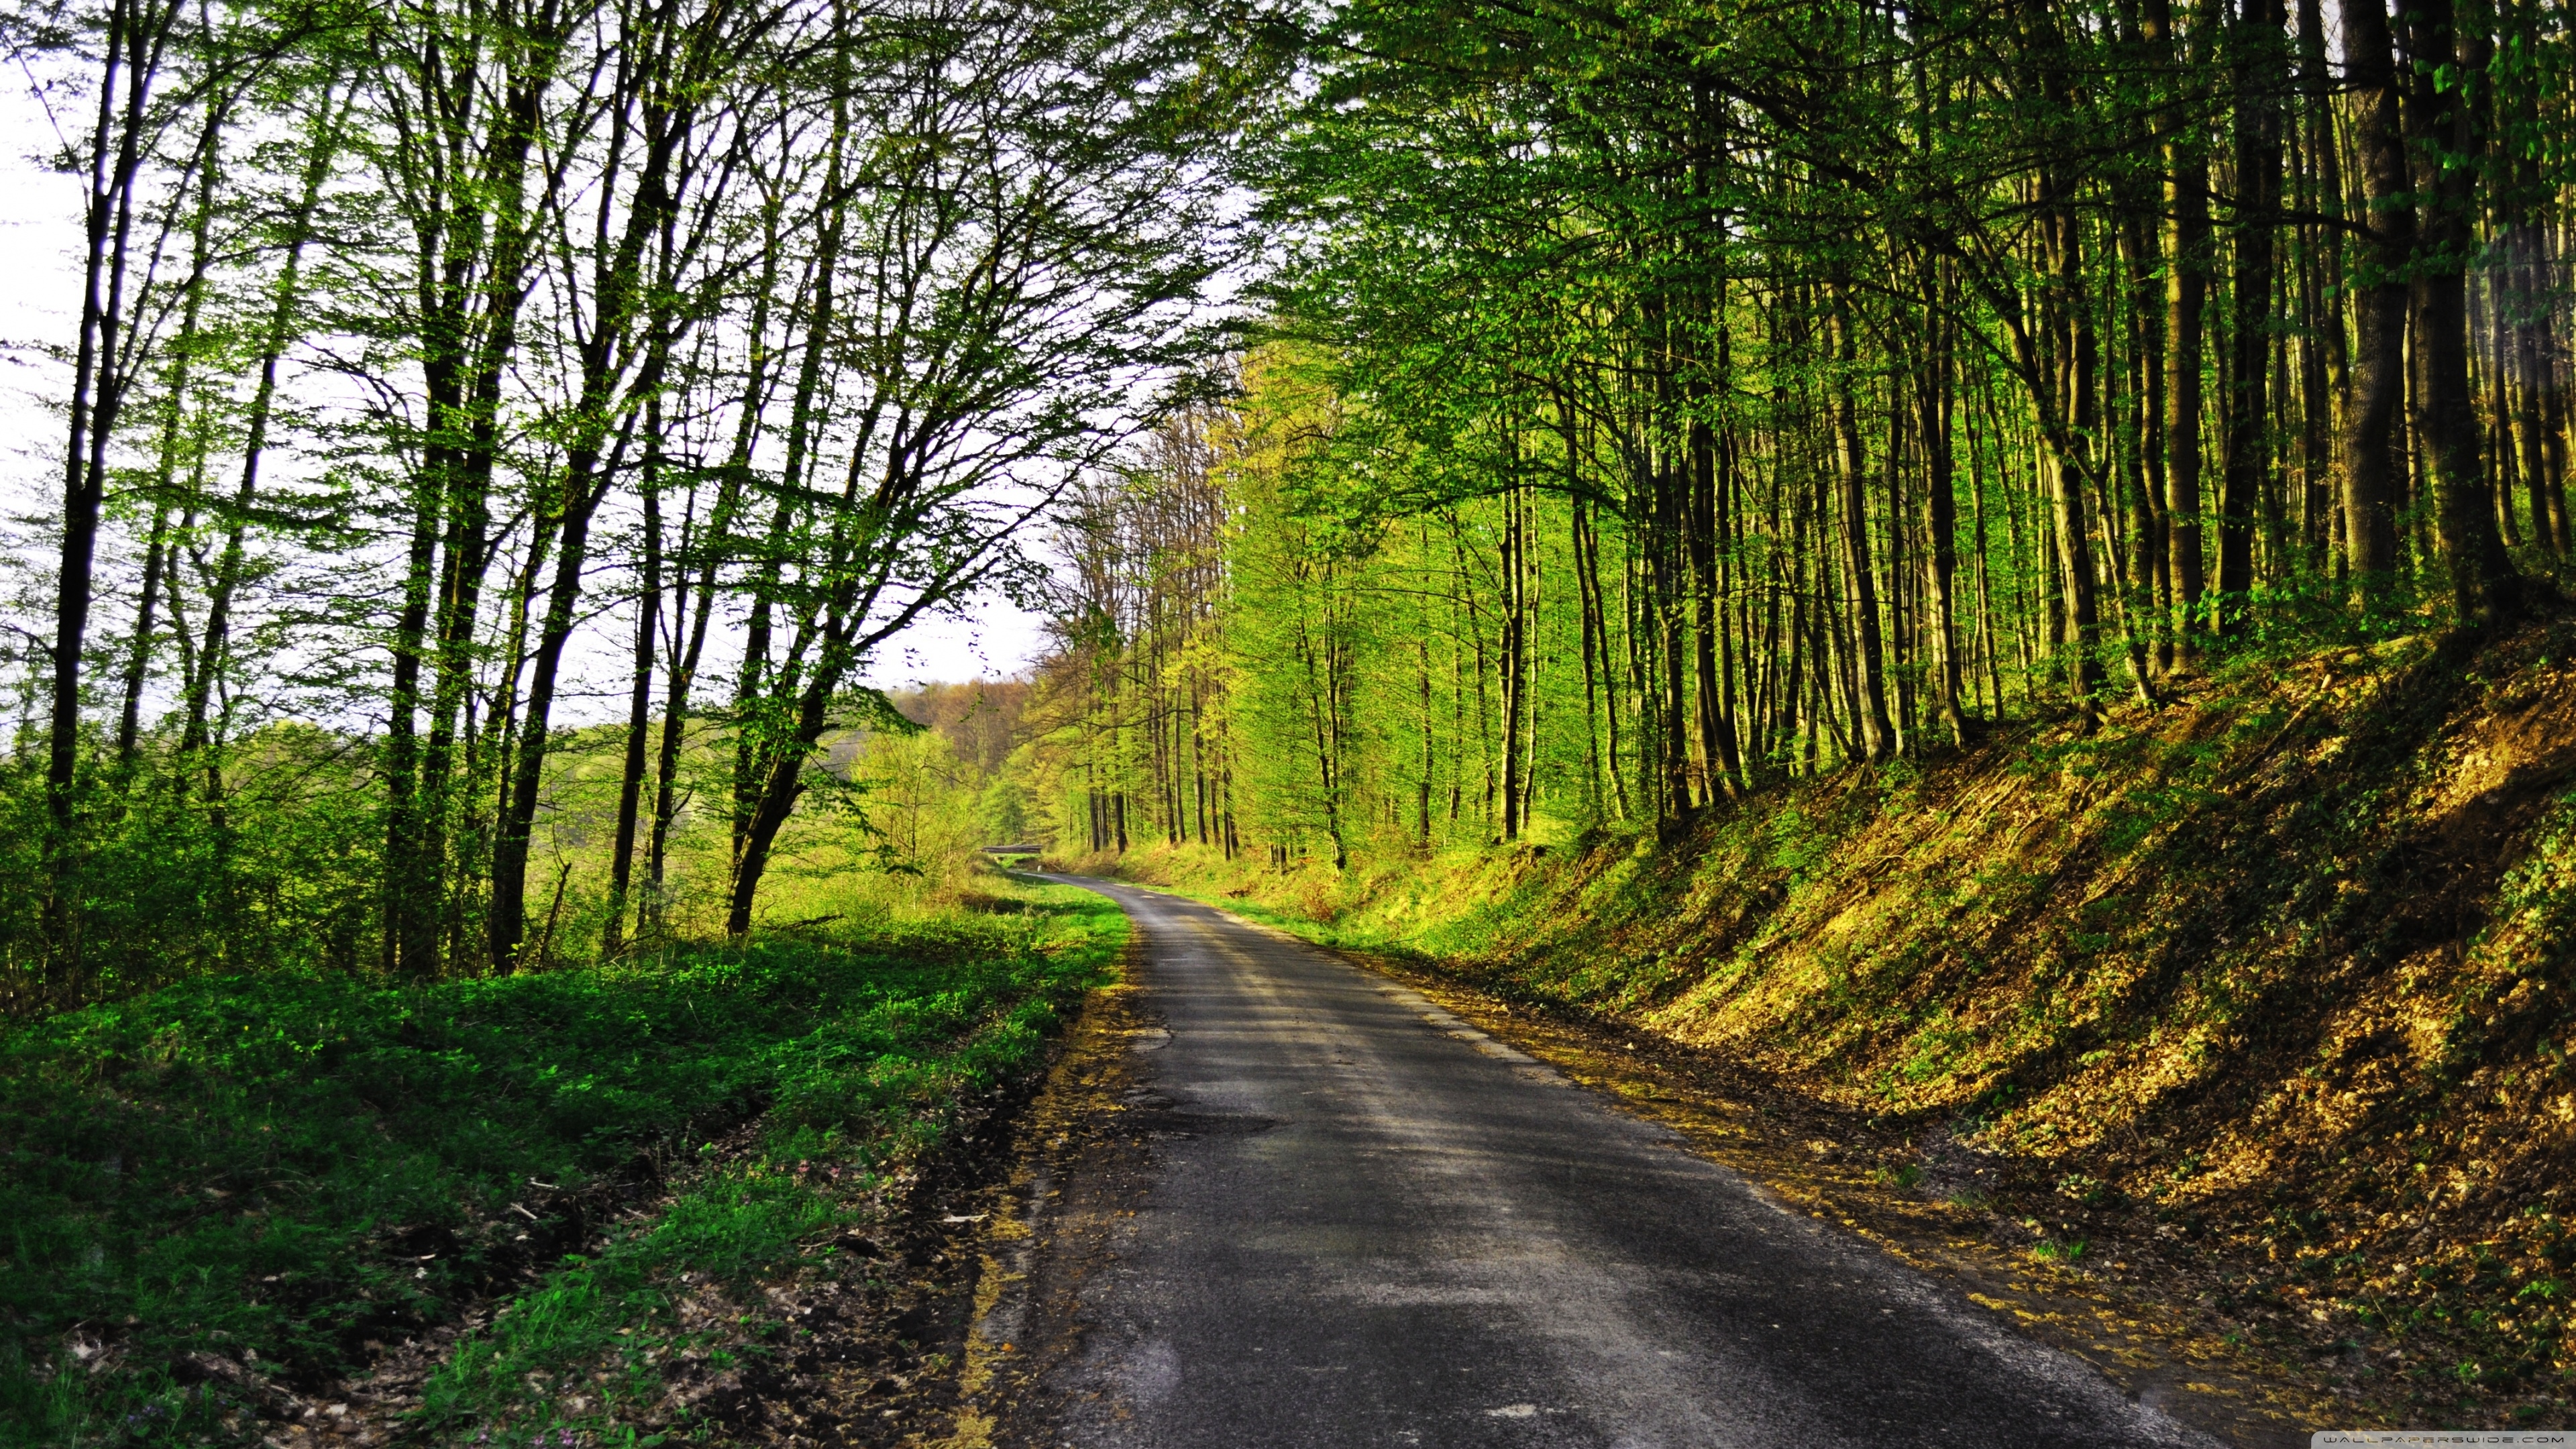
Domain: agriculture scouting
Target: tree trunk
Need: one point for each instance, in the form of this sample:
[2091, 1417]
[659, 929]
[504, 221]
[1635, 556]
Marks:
[2079, 404]
[165, 471]
[2246, 414]
[2328, 390]
[2371, 471]
[217, 648]
[2186, 165]
[1512, 568]
[639, 701]
[1941, 506]
[1877, 737]
[583, 483]
[1711, 478]
[2441, 125]
[411, 932]
[138, 32]
[2532, 299]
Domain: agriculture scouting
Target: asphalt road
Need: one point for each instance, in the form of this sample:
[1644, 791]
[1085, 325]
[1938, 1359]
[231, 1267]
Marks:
[1368, 1223]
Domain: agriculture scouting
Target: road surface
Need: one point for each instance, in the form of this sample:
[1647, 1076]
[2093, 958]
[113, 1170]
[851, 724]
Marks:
[1368, 1223]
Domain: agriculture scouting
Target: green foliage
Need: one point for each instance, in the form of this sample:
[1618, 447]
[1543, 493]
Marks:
[277, 872]
[2539, 893]
[285, 1169]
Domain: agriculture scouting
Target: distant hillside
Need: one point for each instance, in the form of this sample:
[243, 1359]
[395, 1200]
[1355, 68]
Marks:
[979, 719]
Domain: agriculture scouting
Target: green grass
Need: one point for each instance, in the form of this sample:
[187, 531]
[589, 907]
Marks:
[291, 1171]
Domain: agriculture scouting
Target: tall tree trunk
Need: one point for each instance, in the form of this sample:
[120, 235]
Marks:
[2245, 414]
[2078, 390]
[2325, 342]
[756, 730]
[696, 604]
[2441, 124]
[2532, 293]
[1511, 571]
[138, 656]
[1731, 706]
[472, 243]
[2187, 238]
[411, 936]
[2141, 449]
[639, 702]
[1941, 504]
[2539, 395]
[1709, 684]
[585, 479]
[183, 349]
[1877, 736]
[2371, 470]
[138, 33]
[1711, 473]
[633, 328]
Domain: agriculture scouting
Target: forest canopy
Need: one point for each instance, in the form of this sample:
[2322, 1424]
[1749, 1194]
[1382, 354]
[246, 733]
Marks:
[1662, 402]
[1425, 424]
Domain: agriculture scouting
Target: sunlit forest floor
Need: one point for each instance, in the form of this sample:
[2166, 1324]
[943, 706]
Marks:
[2267, 989]
[585, 1205]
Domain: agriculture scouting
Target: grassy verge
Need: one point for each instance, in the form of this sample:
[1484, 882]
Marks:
[233, 1195]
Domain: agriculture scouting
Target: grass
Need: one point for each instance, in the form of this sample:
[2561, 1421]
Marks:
[275, 1179]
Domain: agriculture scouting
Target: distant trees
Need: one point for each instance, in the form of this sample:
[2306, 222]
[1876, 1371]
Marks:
[416, 340]
[1135, 622]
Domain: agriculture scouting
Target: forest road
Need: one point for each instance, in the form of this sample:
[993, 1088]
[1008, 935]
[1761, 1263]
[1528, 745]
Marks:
[1363, 1222]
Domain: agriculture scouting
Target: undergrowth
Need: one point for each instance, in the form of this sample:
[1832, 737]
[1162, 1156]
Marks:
[274, 1180]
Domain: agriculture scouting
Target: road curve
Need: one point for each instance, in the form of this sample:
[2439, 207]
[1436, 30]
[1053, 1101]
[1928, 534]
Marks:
[1370, 1224]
